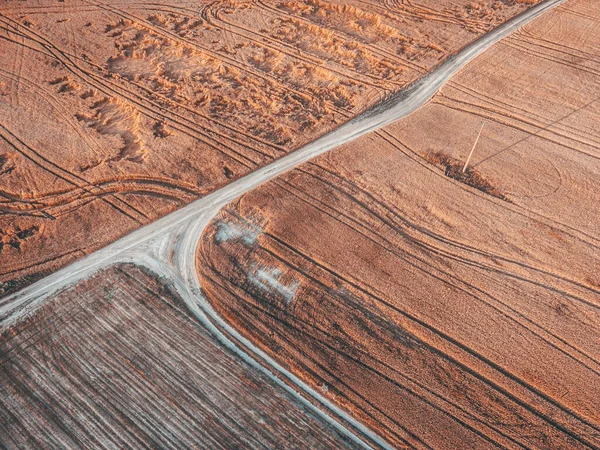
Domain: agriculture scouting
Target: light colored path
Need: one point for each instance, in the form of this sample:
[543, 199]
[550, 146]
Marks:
[168, 246]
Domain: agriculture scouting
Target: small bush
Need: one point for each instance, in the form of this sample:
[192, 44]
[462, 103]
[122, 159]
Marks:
[452, 168]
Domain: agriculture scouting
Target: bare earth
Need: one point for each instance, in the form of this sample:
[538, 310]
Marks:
[444, 310]
[113, 114]
[118, 362]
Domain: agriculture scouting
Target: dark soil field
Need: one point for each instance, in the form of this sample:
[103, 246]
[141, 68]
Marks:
[443, 309]
[118, 362]
[115, 113]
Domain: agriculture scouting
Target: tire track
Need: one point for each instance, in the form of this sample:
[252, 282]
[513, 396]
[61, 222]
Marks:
[147, 107]
[481, 359]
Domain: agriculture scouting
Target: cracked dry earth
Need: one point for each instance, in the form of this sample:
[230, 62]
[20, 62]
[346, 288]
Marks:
[114, 113]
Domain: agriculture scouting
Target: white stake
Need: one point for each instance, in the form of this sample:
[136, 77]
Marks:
[473, 149]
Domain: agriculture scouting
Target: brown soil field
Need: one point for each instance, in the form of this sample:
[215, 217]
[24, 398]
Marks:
[115, 113]
[443, 309]
[118, 362]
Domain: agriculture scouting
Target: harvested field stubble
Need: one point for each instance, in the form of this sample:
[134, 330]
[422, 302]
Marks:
[117, 361]
[413, 295]
[114, 114]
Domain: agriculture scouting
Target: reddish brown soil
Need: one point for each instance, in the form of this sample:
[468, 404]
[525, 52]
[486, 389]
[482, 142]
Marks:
[442, 314]
[117, 362]
[114, 114]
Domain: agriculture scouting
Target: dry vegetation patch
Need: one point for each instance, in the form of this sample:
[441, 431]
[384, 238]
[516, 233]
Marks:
[453, 168]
